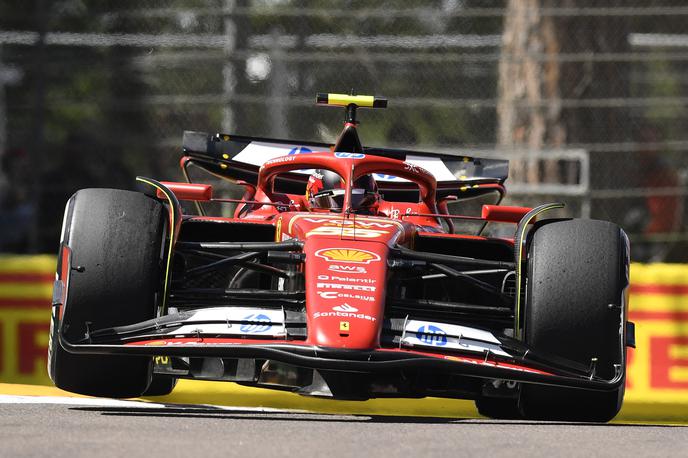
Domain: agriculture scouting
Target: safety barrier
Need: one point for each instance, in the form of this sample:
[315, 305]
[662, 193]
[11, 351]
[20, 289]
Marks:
[26, 284]
[657, 385]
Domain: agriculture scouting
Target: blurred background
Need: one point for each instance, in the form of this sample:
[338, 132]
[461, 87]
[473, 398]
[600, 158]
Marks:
[588, 99]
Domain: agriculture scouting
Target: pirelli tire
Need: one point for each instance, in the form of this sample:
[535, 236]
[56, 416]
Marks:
[575, 305]
[161, 385]
[115, 238]
[498, 408]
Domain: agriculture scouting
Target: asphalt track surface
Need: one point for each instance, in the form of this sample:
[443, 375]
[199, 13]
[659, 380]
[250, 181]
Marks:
[57, 427]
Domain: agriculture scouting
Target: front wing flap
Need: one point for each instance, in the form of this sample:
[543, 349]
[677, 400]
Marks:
[274, 334]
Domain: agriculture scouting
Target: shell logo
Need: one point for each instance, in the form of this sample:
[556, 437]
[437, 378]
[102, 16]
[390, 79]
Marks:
[347, 255]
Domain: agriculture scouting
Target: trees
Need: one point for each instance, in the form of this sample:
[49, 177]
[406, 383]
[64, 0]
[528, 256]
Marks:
[555, 87]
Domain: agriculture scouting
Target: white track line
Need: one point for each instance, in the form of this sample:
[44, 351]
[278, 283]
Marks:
[99, 402]
[107, 402]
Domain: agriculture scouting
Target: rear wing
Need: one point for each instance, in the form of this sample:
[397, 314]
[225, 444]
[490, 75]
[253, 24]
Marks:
[239, 158]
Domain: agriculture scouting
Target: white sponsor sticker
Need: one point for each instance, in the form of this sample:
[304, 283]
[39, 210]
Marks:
[347, 279]
[344, 311]
[453, 343]
[234, 314]
[235, 321]
[336, 295]
[349, 155]
[280, 160]
[439, 335]
[347, 287]
[258, 153]
[454, 330]
[345, 308]
[347, 269]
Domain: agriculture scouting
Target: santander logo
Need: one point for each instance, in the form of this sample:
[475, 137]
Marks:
[344, 311]
[345, 308]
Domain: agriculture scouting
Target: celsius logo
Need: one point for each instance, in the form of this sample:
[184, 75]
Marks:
[349, 155]
[259, 323]
[347, 255]
[299, 150]
[345, 308]
[432, 336]
[335, 295]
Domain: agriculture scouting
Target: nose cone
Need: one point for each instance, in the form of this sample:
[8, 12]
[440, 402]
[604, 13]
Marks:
[345, 292]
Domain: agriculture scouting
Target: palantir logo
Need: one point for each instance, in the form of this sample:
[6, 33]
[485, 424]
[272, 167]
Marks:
[259, 323]
[432, 336]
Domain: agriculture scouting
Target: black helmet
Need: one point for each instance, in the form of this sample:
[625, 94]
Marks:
[325, 191]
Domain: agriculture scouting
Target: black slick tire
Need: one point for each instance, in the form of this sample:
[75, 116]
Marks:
[115, 238]
[576, 286]
[498, 408]
[161, 385]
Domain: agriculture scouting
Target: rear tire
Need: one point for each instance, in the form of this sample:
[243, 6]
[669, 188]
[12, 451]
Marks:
[116, 237]
[576, 269]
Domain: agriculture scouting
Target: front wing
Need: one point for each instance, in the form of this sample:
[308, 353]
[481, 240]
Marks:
[222, 334]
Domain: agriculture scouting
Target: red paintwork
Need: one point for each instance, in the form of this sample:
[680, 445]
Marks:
[504, 214]
[398, 210]
[65, 264]
[188, 191]
[350, 169]
[454, 236]
[355, 293]
[346, 254]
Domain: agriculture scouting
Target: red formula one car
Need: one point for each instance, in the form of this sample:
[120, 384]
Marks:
[341, 274]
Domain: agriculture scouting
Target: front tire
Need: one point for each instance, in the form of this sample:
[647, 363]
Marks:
[576, 292]
[498, 408]
[161, 385]
[115, 238]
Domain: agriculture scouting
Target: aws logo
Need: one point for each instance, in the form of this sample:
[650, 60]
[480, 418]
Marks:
[347, 255]
[347, 269]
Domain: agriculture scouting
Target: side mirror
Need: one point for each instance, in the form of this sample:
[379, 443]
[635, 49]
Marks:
[504, 214]
[189, 191]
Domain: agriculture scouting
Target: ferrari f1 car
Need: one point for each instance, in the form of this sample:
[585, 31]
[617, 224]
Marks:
[341, 273]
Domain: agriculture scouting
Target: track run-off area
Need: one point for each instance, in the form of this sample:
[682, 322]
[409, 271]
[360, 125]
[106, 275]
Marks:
[226, 419]
[238, 421]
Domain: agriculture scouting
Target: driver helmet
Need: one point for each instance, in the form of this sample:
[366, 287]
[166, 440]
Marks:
[325, 191]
